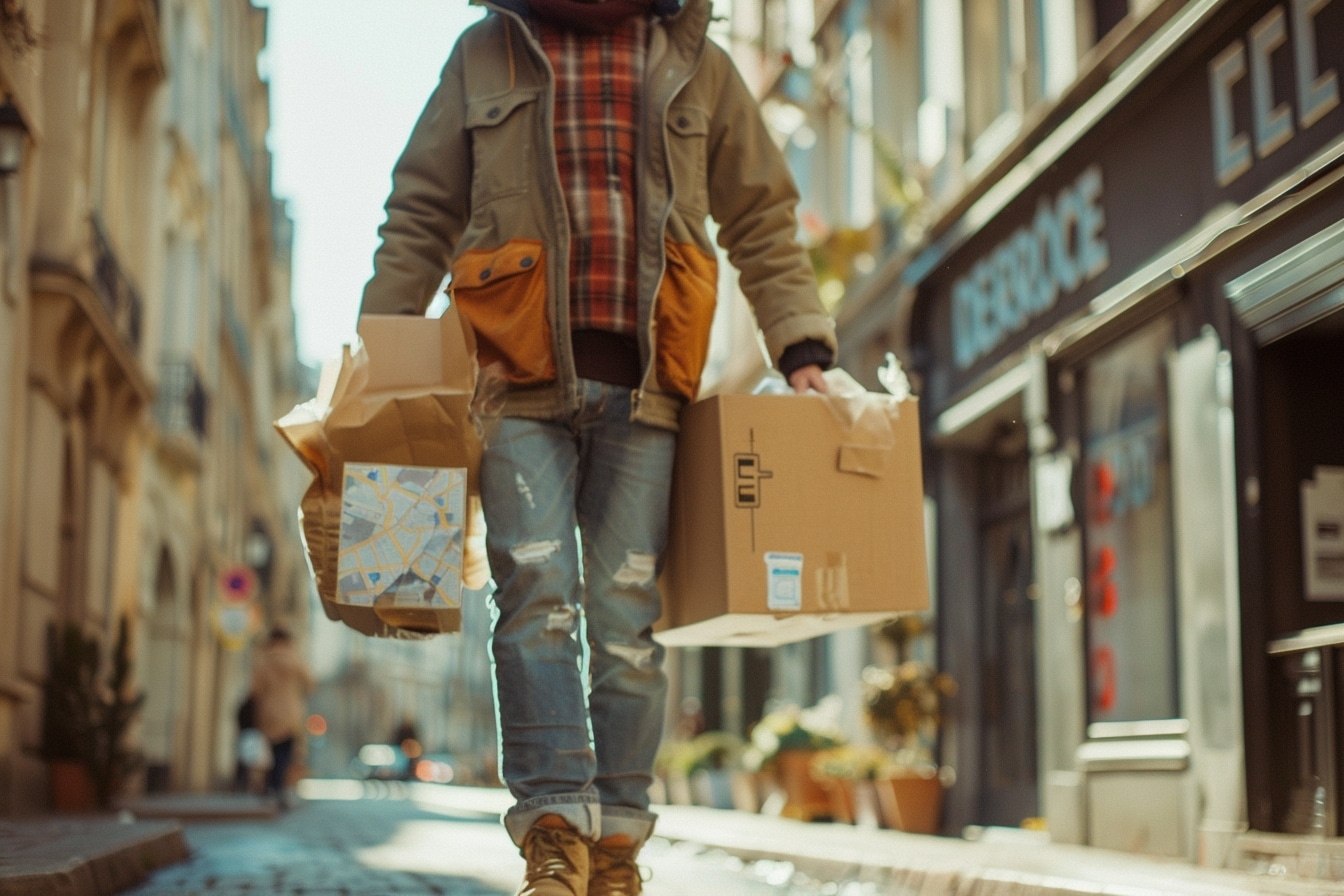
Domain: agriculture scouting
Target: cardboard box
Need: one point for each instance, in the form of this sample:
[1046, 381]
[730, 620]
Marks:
[793, 516]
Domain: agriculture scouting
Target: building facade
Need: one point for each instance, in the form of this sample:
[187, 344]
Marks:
[149, 343]
[1121, 315]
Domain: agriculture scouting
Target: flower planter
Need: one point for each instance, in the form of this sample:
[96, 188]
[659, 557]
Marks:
[911, 802]
[72, 787]
[840, 798]
[804, 798]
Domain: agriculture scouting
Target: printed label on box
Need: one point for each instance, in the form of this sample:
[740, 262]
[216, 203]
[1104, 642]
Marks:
[784, 582]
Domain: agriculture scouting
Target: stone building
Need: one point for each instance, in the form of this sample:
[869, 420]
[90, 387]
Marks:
[148, 342]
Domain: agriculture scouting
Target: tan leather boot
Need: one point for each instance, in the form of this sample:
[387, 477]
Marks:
[557, 861]
[613, 871]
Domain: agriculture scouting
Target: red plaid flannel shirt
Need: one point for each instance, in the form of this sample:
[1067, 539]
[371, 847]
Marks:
[598, 82]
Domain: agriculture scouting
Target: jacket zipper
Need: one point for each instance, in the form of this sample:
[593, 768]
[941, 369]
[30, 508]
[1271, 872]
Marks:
[560, 343]
[691, 69]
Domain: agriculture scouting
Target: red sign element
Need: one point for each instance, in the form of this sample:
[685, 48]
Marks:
[1107, 592]
[238, 583]
[1103, 677]
[1104, 479]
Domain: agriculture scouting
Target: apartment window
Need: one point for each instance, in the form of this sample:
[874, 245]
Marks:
[986, 25]
[1130, 585]
[860, 159]
[1107, 14]
[846, 115]
[1003, 41]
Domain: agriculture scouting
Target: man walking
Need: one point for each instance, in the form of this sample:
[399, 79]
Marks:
[562, 172]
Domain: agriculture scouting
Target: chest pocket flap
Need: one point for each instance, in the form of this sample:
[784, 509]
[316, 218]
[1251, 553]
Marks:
[687, 121]
[491, 111]
[688, 135]
[503, 130]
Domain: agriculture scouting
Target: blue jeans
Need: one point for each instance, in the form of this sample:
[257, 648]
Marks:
[576, 522]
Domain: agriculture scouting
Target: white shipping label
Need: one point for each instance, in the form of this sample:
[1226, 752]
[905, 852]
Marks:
[784, 582]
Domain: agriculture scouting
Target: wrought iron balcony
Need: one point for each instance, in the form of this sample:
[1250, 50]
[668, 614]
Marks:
[182, 406]
[114, 287]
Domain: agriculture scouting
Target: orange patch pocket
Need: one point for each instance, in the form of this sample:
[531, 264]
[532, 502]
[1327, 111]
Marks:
[686, 300]
[502, 292]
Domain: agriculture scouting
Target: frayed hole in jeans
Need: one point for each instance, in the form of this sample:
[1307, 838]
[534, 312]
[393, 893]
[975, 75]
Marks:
[638, 569]
[636, 657]
[534, 552]
[561, 619]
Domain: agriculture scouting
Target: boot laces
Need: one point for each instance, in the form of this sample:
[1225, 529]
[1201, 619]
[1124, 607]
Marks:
[550, 853]
[614, 872]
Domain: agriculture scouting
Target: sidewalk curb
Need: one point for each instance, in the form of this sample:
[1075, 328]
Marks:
[917, 863]
[190, 808]
[96, 858]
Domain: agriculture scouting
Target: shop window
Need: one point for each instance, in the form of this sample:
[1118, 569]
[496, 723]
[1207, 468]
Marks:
[1131, 595]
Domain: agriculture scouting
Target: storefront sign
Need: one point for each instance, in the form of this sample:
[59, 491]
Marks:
[1062, 248]
[1273, 124]
[1259, 96]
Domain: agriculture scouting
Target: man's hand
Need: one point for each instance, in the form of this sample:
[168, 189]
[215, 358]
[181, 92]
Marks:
[809, 377]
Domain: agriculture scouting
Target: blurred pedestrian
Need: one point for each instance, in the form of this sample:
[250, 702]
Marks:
[407, 736]
[254, 750]
[562, 173]
[281, 684]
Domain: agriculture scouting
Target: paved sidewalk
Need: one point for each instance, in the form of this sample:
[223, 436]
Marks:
[101, 856]
[90, 856]
[918, 864]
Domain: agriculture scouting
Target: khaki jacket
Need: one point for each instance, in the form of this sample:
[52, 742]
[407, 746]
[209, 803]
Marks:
[477, 193]
[281, 684]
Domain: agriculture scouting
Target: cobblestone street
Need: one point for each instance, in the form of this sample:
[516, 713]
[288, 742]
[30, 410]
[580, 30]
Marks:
[385, 843]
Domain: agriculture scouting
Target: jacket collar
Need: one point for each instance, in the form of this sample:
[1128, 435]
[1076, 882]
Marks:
[687, 25]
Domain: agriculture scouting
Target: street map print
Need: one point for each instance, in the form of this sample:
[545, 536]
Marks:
[401, 536]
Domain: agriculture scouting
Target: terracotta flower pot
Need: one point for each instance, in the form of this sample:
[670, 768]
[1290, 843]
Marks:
[840, 797]
[911, 802]
[804, 797]
[72, 787]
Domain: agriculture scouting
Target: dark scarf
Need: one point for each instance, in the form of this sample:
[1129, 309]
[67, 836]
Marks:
[596, 16]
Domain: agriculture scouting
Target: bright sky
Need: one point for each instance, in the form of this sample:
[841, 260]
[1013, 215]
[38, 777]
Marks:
[348, 80]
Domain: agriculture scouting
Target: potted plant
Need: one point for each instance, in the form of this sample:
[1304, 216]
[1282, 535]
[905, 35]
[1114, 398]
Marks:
[86, 719]
[844, 772]
[783, 744]
[904, 707]
[698, 770]
[711, 758]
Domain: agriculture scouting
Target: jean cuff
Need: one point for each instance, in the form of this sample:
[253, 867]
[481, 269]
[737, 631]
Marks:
[633, 823]
[580, 810]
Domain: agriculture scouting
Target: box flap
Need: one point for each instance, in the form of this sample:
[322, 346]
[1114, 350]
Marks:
[408, 352]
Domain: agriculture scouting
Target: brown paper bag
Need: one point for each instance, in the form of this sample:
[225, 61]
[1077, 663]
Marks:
[401, 396]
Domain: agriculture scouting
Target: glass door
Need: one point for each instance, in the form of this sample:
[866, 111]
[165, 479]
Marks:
[1007, 635]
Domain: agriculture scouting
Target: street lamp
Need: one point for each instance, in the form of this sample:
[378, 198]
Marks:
[257, 549]
[13, 139]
